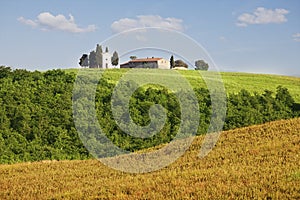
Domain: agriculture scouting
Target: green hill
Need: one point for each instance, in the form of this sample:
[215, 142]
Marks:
[37, 120]
[257, 162]
[233, 81]
[37, 124]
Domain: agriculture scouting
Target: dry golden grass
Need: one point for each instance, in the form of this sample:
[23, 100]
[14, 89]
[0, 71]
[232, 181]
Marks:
[258, 162]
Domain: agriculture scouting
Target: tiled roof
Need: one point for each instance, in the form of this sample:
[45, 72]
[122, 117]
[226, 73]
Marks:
[141, 60]
[145, 59]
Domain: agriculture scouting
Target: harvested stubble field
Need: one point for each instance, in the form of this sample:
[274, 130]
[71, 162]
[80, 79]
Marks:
[257, 162]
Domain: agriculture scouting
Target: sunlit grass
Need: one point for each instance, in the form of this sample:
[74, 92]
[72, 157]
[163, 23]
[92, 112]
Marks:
[233, 81]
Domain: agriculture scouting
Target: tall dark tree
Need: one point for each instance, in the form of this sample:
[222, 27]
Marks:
[115, 59]
[92, 60]
[201, 65]
[84, 60]
[99, 56]
[172, 62]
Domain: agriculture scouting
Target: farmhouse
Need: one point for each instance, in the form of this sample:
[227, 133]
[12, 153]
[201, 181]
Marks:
[152, 63]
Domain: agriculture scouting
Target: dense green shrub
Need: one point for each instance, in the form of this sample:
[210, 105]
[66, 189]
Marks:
[36, 119]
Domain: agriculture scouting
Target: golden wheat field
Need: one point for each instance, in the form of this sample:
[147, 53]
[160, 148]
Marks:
[257, 162]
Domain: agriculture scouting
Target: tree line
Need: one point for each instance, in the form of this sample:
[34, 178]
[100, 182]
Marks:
[199, 64]
[36, 120]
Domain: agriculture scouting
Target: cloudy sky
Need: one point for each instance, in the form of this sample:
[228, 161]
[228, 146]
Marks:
[260, 36]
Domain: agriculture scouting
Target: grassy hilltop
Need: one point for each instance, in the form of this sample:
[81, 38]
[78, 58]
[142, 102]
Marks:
[257, 162]
[233, 81]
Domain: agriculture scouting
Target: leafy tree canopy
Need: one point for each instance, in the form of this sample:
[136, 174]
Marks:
[201, 65]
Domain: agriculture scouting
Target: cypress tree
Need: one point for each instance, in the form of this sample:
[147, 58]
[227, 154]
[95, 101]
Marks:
[99, 56]
[115, 59]
[172, 62]
[92, 59]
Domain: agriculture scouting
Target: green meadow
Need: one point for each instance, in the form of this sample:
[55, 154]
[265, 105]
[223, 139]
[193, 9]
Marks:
[233, 81]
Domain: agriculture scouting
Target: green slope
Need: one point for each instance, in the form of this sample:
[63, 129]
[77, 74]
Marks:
[233, 81]
[37, 119]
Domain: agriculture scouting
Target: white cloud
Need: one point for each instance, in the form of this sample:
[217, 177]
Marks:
[147, 21]
[296, 37]
[27, 21]
[47, 21]
[263, 16]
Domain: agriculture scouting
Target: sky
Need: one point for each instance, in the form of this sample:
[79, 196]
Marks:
[257, 36]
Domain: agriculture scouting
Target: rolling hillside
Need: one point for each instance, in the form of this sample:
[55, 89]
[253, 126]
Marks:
[233, 81]
[257, 162]
[37, 120]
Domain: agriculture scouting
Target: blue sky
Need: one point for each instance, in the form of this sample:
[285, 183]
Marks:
[259, 36]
